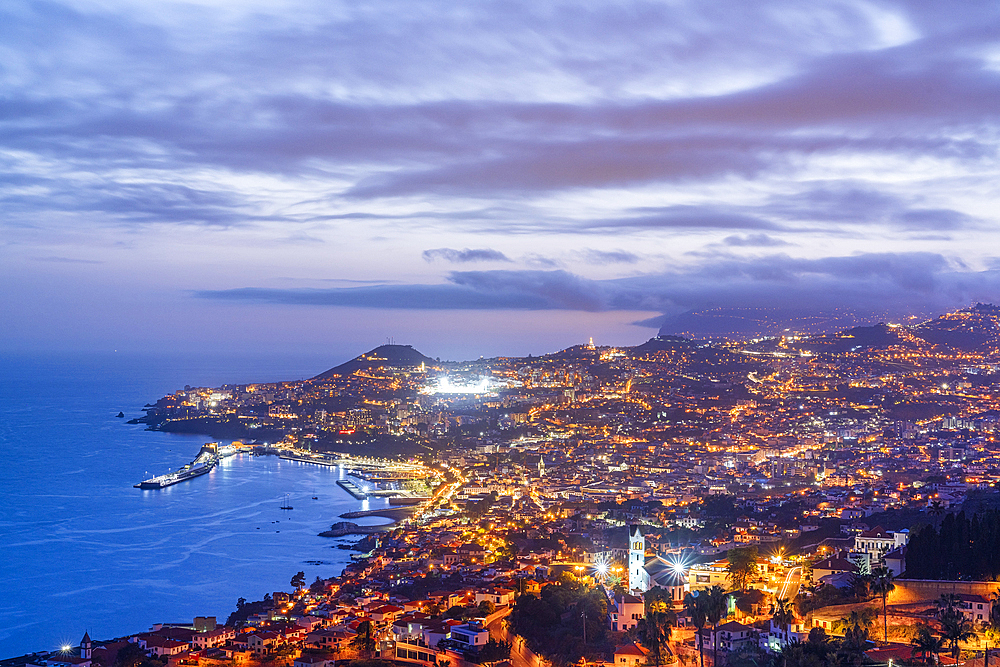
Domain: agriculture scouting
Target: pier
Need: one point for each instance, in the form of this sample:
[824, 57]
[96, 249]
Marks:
[352, 488]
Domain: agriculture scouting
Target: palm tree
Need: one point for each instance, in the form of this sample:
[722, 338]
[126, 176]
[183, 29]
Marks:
[716, 609]
[695, 605]
[925, 644]
[955, 628]
[742, 567]
[882, 584]
[783, 614]
[856, 628]
[947, 602]
[655, 630]
[858, 619]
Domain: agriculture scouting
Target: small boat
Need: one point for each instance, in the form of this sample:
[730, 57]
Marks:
[286, 506]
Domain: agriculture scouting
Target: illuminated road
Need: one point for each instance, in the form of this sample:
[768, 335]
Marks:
[790, 588]
[520, 654]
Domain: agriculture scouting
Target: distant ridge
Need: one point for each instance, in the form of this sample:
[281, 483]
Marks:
[972, 329]
[396, 356]
[750, 322]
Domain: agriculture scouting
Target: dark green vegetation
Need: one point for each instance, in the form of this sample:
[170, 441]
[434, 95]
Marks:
[962, 547]
[553, 624]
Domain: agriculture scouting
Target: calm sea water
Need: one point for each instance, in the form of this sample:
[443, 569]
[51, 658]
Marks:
[81, 550]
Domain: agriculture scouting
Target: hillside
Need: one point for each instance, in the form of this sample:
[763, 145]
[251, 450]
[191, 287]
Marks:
[394, 356]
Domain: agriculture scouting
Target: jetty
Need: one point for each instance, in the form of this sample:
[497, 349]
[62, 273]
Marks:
[352, 488]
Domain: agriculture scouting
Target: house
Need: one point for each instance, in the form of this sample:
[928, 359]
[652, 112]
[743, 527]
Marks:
[498, 596]
[313, 661]
[976, 608]
[162, 647]
[471, 550]
[895, 560]
[433, 633]
[447, 599]
[732, 636]
[630, 655]
[877, 542]
[328, 638]
[409, 629]
[831, 566]
[470, 635]
[386, 613]
[626, 611]
[262, 642]
[777, 637]
[212, 638]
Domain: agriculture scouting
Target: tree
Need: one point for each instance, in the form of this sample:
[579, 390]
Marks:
[857, 627]
[130, 655]
[364, 641]
[494, 651]
[318, 586]
[655, 631]
[924, 643]
[955, 628]
[783, 614]
[716, 609]
[695, 606]
[882, 585]
[240, 603]
[486, 608]
[298, 580]
[742, 567]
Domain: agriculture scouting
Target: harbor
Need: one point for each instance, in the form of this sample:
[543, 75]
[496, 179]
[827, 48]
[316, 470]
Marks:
[207, 459]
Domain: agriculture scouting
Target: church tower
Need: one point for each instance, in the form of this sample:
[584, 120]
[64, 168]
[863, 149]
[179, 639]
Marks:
[86, 647]
[541, 467]
[638, 580]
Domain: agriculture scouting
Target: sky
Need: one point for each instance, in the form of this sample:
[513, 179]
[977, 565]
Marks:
[485, 178]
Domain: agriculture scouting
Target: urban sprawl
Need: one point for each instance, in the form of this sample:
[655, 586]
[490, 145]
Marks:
[820, 500]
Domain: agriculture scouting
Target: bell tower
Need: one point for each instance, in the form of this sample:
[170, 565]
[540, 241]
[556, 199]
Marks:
[637, 577]
[86, 647]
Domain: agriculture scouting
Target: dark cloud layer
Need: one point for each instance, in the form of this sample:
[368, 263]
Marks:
[916, 282]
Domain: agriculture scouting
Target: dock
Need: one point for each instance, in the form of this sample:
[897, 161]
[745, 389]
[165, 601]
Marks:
[352, 488]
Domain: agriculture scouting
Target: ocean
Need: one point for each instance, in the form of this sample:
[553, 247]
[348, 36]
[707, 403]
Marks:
[82, 550]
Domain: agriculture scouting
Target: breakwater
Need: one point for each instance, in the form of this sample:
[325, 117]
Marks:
[342, 528]
[356, 491]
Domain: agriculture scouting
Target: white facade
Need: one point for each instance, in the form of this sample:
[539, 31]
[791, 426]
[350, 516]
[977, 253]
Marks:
[638, 578]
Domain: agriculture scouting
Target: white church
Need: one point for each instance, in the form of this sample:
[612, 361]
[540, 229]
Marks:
[649, 572]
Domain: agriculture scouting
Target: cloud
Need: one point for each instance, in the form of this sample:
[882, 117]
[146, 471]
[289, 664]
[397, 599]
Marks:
[897, 282]
[68, 260]
[465, 255]
[592, 256]
[753, 241]
[475, 290]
